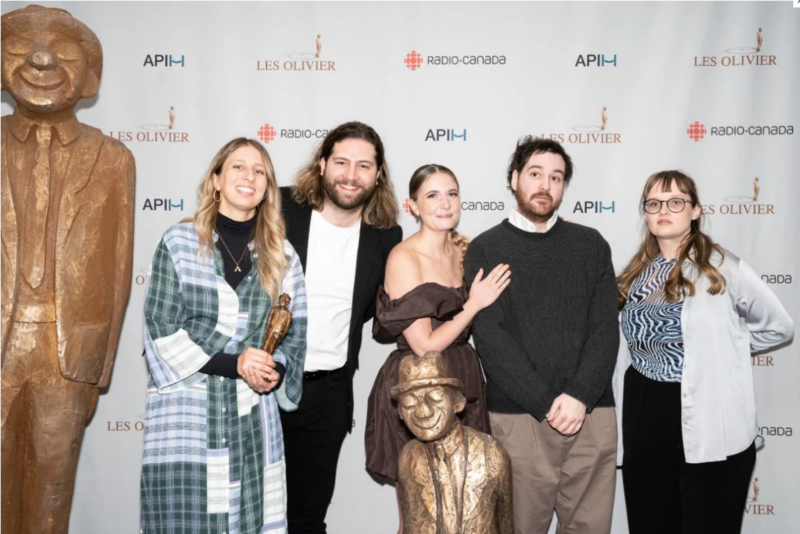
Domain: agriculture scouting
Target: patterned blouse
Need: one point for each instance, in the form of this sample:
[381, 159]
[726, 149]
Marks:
[213, 458]
[652, 326]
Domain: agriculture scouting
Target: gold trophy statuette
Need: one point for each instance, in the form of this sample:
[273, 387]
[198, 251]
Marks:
[278, 323]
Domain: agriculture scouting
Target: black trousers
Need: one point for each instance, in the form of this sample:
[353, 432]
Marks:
[664, 494]
[313, 437]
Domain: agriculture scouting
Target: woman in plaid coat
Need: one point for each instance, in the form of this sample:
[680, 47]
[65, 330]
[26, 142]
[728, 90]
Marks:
[213, 456]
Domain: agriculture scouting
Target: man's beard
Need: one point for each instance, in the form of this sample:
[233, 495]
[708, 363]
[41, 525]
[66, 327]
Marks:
[533, 211]
[342, 202]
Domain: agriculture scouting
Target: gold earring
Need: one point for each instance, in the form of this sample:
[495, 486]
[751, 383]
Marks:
[216, 195]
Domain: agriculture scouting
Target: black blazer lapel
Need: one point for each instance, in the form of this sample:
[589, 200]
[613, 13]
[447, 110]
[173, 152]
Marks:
[368, 242]
[298, 224]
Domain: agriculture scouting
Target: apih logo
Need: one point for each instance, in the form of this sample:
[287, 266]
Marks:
[740, 56]
[741, 204]
[596, 60]
[594, 206]
[299, 61]
[269, 133]
[415, 60]
[154, 132]
[697, 130]
[588, 133]
[755, 504]
[162, 204]
[446, 134]
[164, 60]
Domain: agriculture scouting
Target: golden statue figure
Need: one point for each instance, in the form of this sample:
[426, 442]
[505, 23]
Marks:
[756, 489]
[319, 45]
[278, 323]
[452, 479]
[171, 117]
[760, 38]
[67, 243]
[605, 119]
[756, 189]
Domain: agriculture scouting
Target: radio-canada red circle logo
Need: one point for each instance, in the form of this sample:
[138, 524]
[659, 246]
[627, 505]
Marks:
[413, 60]
[407, 207]
[696, 131]
[266, 133]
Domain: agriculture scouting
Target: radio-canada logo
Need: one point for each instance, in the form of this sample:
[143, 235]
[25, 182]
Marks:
[745, 55]
[269, 133]
[589, 133]
[415, 60]
[303, 61]
[154, 132]
[698, 131]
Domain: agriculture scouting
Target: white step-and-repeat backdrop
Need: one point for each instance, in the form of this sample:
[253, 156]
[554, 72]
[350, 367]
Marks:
[683, 85]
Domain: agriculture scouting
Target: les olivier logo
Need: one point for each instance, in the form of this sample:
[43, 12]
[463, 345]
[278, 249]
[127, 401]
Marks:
[154, 132]
[740, 56]
[742, 204]
[164, 60]
[415, 60]
[587, 133]
[698, 131]
[755, 504]
[299, 61]
[268, 133]
[596, 60]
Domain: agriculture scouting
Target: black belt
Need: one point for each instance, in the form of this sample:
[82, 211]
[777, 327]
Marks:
[316, 375]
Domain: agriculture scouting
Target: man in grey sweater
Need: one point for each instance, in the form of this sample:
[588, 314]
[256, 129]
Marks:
[548, 347]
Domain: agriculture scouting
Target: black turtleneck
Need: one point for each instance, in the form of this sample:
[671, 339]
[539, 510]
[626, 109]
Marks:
[236, 235]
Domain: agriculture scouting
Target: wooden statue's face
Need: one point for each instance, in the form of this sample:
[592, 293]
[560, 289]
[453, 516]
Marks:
[45, 72]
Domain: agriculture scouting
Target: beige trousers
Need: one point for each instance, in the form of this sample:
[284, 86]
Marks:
[575, 476]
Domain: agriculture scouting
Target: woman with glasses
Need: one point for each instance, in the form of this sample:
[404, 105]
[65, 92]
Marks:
[692, 312]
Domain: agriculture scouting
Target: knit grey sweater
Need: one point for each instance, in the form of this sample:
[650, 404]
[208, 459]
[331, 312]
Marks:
[554, 329]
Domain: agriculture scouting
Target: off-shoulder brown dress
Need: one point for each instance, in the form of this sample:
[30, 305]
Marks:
[386, 434]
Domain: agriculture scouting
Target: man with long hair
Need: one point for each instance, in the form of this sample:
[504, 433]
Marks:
[341, 217]
[548, 347]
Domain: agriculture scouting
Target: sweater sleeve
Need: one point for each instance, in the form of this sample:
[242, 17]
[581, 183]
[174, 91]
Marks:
[503, 359]
[222, 364]
[766, 318]
[599, 354]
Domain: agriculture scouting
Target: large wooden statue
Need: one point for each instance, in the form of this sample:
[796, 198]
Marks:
[452, 479]
[67, 241]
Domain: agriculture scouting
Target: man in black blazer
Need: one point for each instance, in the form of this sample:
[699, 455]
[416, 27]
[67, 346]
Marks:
[341, 218]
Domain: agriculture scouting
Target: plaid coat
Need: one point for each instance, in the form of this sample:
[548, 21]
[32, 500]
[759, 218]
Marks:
[213, 457]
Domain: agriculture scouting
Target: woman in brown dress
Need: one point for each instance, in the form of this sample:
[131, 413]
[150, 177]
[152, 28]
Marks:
[427, 305]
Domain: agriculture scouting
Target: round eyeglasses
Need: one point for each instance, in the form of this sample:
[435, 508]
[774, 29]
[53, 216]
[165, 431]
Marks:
[675, 205]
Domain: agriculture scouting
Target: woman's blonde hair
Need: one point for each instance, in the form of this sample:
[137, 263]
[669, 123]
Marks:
[270, 230]
[417, 179]
[381, 210]
[697, 247]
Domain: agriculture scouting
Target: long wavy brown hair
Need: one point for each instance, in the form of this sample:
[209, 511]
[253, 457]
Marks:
[697, 248]
[381, 210]
[270, 230]
[417, 179]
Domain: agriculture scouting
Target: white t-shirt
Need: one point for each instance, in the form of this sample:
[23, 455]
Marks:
[330, 279]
